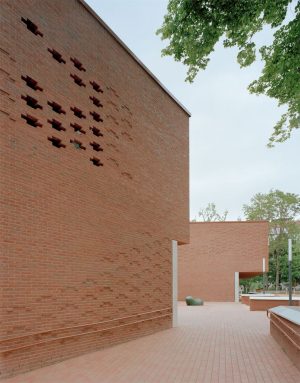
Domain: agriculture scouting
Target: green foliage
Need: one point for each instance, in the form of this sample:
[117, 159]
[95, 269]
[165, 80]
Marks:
[277, 207]
[295, 235]
[281, 210]
[252, 284]
[193, 27]
[284, 267]
[210, 213]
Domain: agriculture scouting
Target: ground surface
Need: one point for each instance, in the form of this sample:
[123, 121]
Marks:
[216, 343]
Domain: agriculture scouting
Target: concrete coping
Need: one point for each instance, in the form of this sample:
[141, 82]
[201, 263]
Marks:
[273, 298]
[292, 314]
[257, 295]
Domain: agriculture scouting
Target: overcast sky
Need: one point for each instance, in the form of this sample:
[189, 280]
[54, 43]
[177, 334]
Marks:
[229, 128]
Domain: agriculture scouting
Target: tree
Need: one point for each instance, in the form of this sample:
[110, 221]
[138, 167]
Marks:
[210, 213]
[281, 210]
[295, 264]
[193, 27]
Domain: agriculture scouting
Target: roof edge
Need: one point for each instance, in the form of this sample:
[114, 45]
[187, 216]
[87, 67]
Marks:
[129, 51]
[207, 222]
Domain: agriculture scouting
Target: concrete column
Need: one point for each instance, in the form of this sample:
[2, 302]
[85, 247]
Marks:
[236, 286]
[174, 282]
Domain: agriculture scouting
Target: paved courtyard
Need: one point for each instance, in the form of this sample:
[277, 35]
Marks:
[216, 343]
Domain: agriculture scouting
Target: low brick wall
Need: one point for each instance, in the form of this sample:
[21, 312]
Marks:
[265, 304]
[245, 299]
[287, 335]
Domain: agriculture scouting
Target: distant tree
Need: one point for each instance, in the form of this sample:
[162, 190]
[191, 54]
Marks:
[210, 213]
[193, 28]
[295, 264]
[281, 210]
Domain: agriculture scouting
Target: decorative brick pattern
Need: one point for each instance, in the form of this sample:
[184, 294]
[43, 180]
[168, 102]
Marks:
[216, 251]
[86, 246]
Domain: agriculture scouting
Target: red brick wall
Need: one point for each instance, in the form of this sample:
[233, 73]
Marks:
[207, 265]
[85, 249]
[245, 300]
[265, 304]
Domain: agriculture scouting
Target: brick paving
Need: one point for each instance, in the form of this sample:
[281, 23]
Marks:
[216, 343]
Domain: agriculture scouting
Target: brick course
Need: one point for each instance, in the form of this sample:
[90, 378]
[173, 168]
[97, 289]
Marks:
[206, 266]
[94, 186]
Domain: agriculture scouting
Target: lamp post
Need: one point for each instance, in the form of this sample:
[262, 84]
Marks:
[290, 270]
[264, 275]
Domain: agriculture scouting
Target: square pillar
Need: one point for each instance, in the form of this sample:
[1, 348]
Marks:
[236, 287]
[174, 282]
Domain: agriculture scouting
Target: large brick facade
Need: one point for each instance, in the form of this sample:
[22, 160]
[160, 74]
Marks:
[206, 266]
[94, 186]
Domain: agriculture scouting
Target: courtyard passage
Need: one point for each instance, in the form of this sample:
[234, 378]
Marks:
[216, 343]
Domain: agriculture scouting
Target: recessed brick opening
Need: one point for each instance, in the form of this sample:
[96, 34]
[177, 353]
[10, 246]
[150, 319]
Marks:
[56, 142]
[96, 131]
[96, 116]
[77, 64]
[96, 146]
[96, 101]
[77, 144]
[57, 56]
[33, 84]
[32, 102]
[77, 128]
[32, 27]
[96, 86]
[56, 107]
[96, 161]
[78, 112]
[56, 124]
[77, 80]
[30, 120]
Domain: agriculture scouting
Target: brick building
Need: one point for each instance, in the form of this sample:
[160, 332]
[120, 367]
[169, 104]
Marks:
[219, 253]
[94, 187]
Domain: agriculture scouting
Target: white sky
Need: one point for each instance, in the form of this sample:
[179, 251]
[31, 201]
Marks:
[229, 128]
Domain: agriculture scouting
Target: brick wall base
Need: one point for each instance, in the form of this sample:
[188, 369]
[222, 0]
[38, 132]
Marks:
[39, 350]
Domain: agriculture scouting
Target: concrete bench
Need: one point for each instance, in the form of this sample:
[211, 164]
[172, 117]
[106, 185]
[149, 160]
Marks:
[285, 328]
